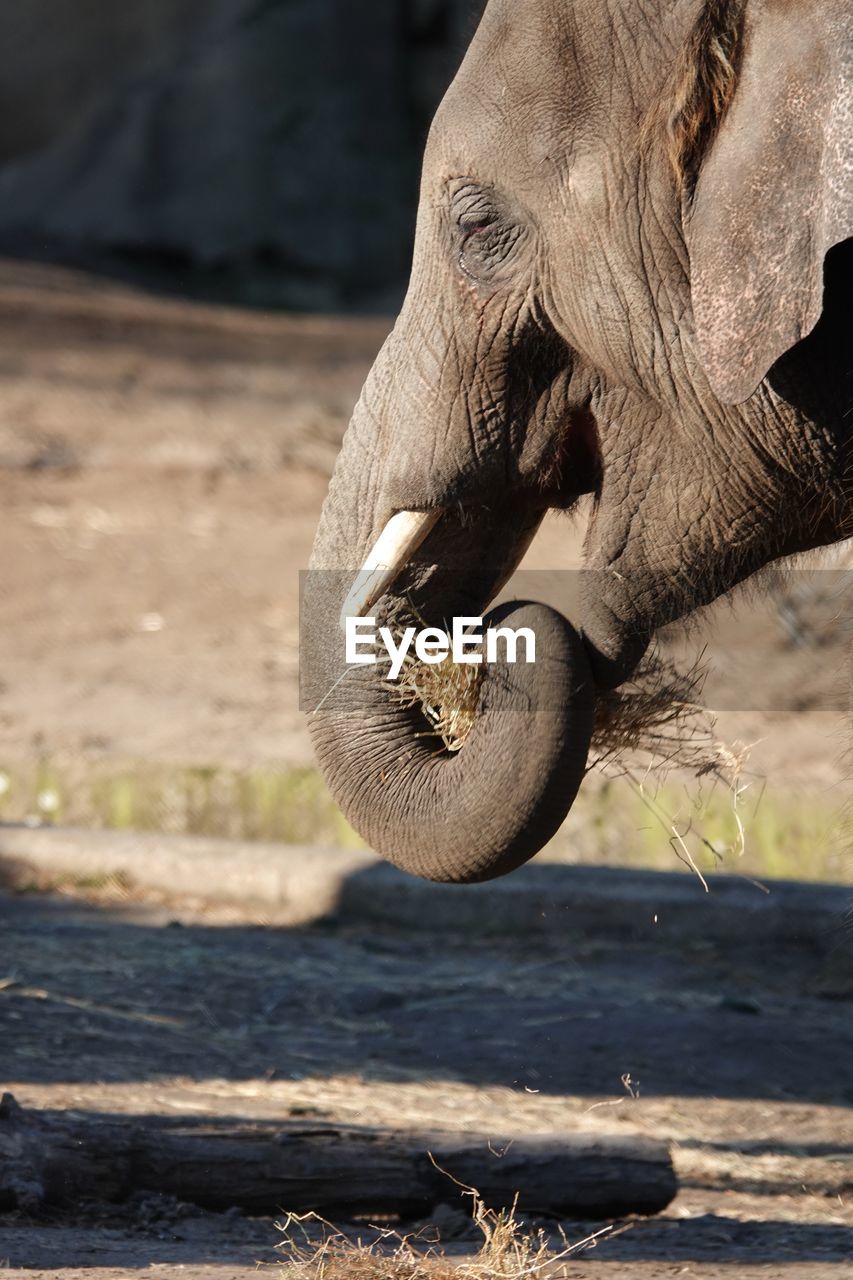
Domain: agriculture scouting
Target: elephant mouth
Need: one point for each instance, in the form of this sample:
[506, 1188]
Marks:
[574, 467]
[393, 551]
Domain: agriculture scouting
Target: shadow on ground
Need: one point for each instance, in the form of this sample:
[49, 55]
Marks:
[100, 1002]
[105, 994]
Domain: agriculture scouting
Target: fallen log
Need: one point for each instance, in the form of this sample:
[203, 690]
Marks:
[50, 1158]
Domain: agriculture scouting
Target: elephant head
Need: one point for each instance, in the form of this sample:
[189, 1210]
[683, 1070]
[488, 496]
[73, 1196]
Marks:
[628, 281]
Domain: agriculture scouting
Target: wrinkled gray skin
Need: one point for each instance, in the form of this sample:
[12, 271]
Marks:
[573, 325]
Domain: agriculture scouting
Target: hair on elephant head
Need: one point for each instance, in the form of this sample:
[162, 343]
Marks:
[630, 279]
[701, 87]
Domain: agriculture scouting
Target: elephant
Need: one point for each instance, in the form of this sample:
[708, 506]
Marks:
[631, 280]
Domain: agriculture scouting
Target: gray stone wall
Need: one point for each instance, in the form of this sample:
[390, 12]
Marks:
[270, 145]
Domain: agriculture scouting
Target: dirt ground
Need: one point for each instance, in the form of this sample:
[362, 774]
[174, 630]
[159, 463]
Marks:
[739, 1057]
[161, 470]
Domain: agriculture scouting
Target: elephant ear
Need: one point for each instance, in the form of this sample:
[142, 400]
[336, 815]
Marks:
[772, 193]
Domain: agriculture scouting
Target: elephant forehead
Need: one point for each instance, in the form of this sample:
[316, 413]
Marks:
[509, 99]
[535, 78]
[555, 42]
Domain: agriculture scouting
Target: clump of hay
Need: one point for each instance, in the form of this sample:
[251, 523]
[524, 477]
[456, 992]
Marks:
[655, 724]
[313, 1249]
[651, 726]
[657, 716]
[448, 694]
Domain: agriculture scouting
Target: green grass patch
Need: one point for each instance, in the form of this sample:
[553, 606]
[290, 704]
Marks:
[769, 832]
[290, 805]
[764, 832]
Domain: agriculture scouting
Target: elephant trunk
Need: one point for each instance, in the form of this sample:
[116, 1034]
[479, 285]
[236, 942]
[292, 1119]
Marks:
[480, 811]
[457, 816]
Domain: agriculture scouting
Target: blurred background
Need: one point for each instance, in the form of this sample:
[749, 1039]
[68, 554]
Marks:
[206, 217]
[259, 151]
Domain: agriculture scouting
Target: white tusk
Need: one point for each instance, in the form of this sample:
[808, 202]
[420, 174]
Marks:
[400, 538]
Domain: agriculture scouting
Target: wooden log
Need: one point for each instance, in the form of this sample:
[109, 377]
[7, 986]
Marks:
[56, 1158]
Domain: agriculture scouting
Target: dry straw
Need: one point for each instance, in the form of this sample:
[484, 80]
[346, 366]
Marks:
[448, 694]
[510, 1250]
[652, 726]
[655, 725]
[657, 717]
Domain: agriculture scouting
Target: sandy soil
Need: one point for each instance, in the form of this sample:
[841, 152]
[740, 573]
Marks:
[161, 470]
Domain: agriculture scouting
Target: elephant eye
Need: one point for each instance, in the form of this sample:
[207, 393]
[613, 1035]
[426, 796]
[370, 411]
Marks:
[486, 235]
[477, 221]
[487, 247]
